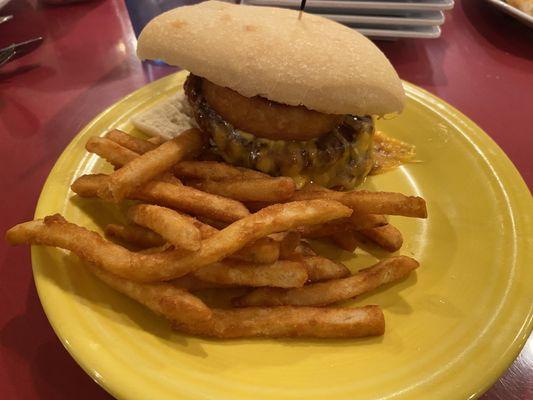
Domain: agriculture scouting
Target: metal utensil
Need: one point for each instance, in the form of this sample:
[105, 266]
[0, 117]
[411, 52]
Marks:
[18, 49]
[5, 18]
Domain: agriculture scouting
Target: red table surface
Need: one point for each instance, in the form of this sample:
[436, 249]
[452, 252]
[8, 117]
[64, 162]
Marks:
[482, 64]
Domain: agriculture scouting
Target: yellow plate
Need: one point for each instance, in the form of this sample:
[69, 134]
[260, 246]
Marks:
[451, 328]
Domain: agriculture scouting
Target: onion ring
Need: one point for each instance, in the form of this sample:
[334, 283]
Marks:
[268, 119]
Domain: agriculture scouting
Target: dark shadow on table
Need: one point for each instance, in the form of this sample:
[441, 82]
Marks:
[498, 29]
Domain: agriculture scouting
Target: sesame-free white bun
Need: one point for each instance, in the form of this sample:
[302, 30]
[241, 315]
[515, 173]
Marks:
[270, 52]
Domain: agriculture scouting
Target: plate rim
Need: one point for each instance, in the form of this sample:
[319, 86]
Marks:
[439, 106]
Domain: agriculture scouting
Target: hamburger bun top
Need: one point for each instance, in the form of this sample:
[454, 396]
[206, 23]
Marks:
[269, 52]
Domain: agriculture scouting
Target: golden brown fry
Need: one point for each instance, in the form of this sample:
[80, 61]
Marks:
[169, 178]
[284, 274]
[136, 235]
[157, 140]
[263, 251]
[193, 201]
[139, 146]
[288, 241]
[214, 171]
[312, 322]
[55, 231]
[323, 230]
[276, 218]
[112, 152]
[144, 168]
[259, 189]
[387, 237]
[364, 202]
[366, 221]
[254, 206]
[192, 284]
[320, 294]
[90, 246]
[88, 185]
[162, 298]
[353, 222]
[345, 240]
[171, 225]
[304, 249]
[323, 269]
[165, 194]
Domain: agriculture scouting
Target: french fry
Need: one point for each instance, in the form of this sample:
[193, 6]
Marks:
[323, 230]
[112, 152]
[162, 298]
[169, 178]
[353, 222]
[171, 225]
[214, 171]
[323, 269]
[288, 241]
[151, 164]
[55, 231]
[157, 140]
[273, 219]
[88, 245]
[364, 202]
[321, 294]
[283, 273]
[387, 237]
[345, 240]
[165, 194]
[311, 322]
[304, 249]
[136, 235]
[263, 251]
[139, 146]
[261, 189]
[191, 283]
[366, 221]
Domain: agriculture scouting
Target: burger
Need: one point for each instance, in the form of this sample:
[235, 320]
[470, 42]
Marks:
[279, 92]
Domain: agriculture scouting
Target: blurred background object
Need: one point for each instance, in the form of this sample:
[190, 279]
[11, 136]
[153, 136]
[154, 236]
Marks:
[388, 19]
[61, 2]
[522, 10]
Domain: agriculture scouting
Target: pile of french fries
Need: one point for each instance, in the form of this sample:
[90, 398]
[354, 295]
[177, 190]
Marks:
[208, 225]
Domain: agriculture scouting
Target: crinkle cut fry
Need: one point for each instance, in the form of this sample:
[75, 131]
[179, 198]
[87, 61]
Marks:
[276, 322]
[55, 231]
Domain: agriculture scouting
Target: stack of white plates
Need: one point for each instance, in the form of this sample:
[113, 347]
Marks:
[381, 19]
